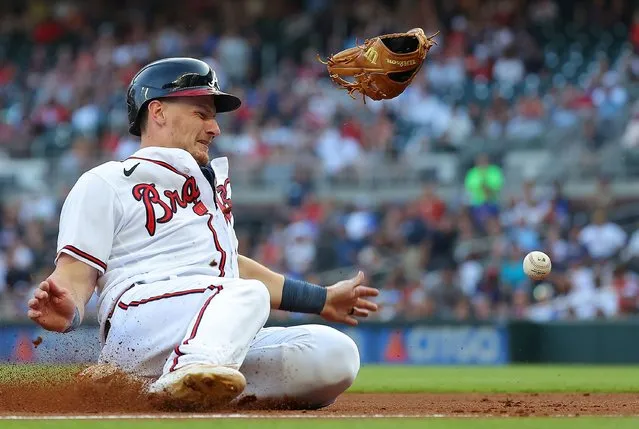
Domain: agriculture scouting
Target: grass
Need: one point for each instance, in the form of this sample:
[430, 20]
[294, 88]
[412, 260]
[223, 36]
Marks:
[22, 371]
[529, 423]
[504, 379]
[441, 379]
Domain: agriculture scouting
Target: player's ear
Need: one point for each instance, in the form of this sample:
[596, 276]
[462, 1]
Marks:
[156, 112]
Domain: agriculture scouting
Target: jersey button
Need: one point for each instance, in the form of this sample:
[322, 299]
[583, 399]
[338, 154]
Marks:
[186, 170]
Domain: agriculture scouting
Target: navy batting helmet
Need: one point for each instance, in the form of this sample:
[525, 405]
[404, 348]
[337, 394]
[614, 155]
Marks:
[173, 77]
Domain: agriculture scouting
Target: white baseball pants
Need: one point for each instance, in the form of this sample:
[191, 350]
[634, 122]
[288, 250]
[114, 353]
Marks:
[159, 327]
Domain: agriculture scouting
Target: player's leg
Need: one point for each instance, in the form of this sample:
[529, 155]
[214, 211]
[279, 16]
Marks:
[203, 369]
[222, 330]
[179, 332]
[305, 366]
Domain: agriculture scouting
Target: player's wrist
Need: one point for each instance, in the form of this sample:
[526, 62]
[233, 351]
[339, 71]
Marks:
[299, 296]
[75, 322]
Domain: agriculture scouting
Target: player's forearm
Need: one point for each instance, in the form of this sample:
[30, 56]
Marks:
[250, 269]
[76, 277]
[286, 294]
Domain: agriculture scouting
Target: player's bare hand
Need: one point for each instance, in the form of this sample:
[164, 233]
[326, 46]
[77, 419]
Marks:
[52, 307]
[349, 299]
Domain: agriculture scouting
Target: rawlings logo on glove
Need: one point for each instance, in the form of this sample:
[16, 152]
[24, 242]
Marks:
[383, 66]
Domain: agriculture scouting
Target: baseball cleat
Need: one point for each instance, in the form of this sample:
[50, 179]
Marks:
[200, 385]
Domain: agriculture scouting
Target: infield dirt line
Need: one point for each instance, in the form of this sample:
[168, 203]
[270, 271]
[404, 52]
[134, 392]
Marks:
[283, 416]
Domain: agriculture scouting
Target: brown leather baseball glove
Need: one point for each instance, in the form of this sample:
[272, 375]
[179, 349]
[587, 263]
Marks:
[383, 66]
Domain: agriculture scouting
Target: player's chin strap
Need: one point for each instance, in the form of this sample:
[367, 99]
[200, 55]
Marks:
[299, 296]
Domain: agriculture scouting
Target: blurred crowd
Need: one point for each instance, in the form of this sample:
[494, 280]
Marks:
[431, 258]
[502, 71]
[462, 260]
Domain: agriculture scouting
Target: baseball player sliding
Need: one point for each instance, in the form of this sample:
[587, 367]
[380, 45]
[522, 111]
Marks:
[153, 235]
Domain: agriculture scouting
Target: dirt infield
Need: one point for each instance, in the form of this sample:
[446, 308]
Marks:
[80, 397]
[518, 404]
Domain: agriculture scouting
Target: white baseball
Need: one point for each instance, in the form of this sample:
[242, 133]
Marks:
[537, 265]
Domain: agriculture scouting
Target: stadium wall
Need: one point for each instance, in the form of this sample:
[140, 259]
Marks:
[416, 343]
[587, 342]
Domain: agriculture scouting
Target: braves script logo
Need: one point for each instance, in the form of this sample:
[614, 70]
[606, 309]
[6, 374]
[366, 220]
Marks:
[224, 200]
[155, 205]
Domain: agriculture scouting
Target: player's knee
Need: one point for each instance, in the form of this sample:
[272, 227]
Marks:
[341, 362]
[347, 358]
[259, 296]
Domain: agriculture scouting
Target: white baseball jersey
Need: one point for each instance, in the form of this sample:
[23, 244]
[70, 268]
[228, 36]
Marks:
[149, 218]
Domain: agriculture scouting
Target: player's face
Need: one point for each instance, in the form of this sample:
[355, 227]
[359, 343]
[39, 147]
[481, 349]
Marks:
[192, 125]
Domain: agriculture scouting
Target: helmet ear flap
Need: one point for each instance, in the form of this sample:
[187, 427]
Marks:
[136, 108]
[142, 119]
